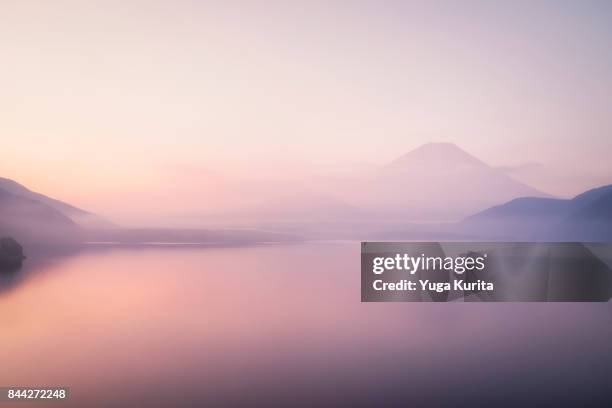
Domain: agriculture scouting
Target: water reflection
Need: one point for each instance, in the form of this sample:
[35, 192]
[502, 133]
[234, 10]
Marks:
[282, 324]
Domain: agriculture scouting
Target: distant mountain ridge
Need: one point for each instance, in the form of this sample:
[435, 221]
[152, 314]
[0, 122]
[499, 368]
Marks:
[43, 224]
[77, 215]
[586, 217]
[31, 221]
[434, 182]
[15, 208]
[13, 187]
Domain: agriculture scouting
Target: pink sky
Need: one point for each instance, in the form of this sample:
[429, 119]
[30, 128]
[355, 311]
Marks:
[108, 104]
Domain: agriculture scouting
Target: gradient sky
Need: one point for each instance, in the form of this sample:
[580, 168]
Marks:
[106, 101]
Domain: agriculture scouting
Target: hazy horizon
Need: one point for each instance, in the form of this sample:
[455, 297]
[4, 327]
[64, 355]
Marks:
[306, 203]
[176, 107]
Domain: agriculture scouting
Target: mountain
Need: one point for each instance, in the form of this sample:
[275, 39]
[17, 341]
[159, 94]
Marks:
[592, 219]
[16, 209]
[591, 196]
[436, 153]
[435, 182]
[45, 225]
[586, 217]
[33, 221]
[518, 217]
[81, 217]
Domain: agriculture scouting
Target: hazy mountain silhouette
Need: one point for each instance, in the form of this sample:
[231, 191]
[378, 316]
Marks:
[79, 216]
[17, 209]
[592, 221]
[32, 221]
[44, 229]
[586, 217]
[437, 181]
[448, 153]
[591, 196]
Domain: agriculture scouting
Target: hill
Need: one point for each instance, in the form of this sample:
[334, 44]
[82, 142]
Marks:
[31, 221]
[586, 217]
[81, 217]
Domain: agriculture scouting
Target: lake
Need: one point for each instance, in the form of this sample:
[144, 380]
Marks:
[282, 324]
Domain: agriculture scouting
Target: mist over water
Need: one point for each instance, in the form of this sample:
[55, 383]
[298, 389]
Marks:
[282, 324]
[258, 142]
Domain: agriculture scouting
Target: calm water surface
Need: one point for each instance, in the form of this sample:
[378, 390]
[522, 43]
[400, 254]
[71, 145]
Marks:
[283, 324]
